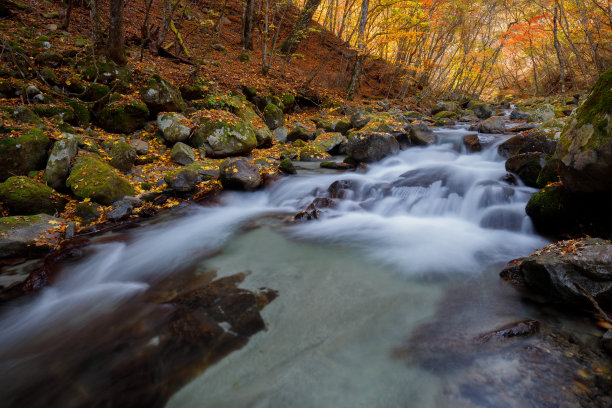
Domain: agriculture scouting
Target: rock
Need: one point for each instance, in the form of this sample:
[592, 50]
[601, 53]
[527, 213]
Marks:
[420, 134]
[542, 114]
[193, 91]
[173, 127]
[336, 165]
[182, 154]
[495, 125]
[481, 110]
[311, 153]
[90, 177]
[239, 174]
[219, 47]
[287, 167]
[121, 209]
[25, 196]
[412, 116]
[60, 159]
[124, 117]
[223, 134]
[328, 142]
[371, 147]
[445, 115]
[526, 143]
[160, 96]
[23, 154]
[288, 100]
[360, 119]
[585, 145]
[340, 125]
[299, 133]
[549, 209]
[49, 59]
[249, 92]
[522, 328]
[518, 115]
[343, 189]
[265, 137]
[273, 116]
[122, 155]
[280, 134]
[26, 115]
[472, 143]
[527, 166]
[549, 173]
[182, 180]
[444, 106]
[525, 127]
[553, 270]
[29, 235]
[141, 147]
[88, 211]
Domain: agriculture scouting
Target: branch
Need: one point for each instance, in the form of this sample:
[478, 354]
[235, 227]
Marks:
[593, 302]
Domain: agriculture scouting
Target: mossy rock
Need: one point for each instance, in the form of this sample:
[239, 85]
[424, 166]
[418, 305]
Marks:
[82, 116]
[445, 115]
[106, 72]
[49, 59]
[480, 109]
[123, 156]
[223, 134]
[124, 117]
[182, 180]
[90, 177]
[61, 112]
[58, 165]
[98, 93]
[311, 152]
[26, 115]
[24, 236]
[585, 145]
[542, 114]
[328, 142]
[273, 116]
[549, 173]
[161, 96]
[288, 100]
[249, 92]
[48, 75]
[25, 196]
[549, 207]
[196, 90]
[527, 166]
[20, 155]
[182, 154]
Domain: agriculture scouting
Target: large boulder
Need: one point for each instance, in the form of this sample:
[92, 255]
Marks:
[23, 154]
[495, 124]
[585, 146]
[563, 270]
[239, 174]
[420, 134]
[182, 180]
[527, 142]
[29, 235]
[122, 155]
[58, 165]
[182, 154]
[542, 114]
[273, 116]
[444, 106]
[90, 177]
[173, 127]
[161, 96]
[25, 196]
[223, 134]
[482, 110]
[124, 116]
[371, 147]
[527, 166]
[328, 142]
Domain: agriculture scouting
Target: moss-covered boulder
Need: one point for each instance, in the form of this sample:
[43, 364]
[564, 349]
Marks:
[25, 196]
[49, 59]
[91, 177]
[26, 115]
[265, 136]
[288, 100]
[174, 127]
[23, 154]
[105, 72]
[495, 125]
[585, 146]
[59, 112]
[58, 164]
[299, 133]
[527, 142]
[527, 166]
[480, 109]
[161, 96]
[124, 116]
[273, 116]
[29, 235]
[445, 115]
[182, 154]
[444, 106]
[549, 173]
[371, 147]
[329, 142]
[123, 155]
[311, 152]
[239, 174]
[542, 113]
[222, 134]
[549, 208]
[182, 180]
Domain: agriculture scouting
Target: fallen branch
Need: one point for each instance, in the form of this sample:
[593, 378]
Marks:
[593, 302]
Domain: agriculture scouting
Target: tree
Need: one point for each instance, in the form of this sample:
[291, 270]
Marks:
[116, 39]
[359, 56]
[248, 25]
[298, 32]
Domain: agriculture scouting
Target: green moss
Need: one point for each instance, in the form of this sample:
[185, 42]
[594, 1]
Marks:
[24, 196]
[63, 112]
[98, 92]
[93, 178]
[548, 205]
[311, 152]
[82, 116]
[288, 99]
[124, 117]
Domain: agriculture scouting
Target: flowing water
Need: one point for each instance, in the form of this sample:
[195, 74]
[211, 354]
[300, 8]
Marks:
[407, 253]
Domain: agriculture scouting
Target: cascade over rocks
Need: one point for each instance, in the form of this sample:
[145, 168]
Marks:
[527, 166]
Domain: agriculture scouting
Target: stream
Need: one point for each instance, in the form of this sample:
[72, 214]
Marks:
[378, 299]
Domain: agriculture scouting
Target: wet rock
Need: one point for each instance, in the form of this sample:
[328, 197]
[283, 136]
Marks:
[336, 165]
[343, 189]
[585, 146]
[141, 147]
[299, 133]
[58, 165]
[560, 270]
[25, 196]
[223, 134]
[239, 174]
[182, 154]
[160, 96]
[527, 166]
[509, 179]
[123, 156]
[23, 154]
[173, 128]
[472, 143]
[121, 209]
[182, 180]
[550, 208]
[494, 125]
[522, 328]
[371, 147]
[90, 177]
[526, 143]
[518, 115]
[29, 235]
[420, 134]
[287, 167]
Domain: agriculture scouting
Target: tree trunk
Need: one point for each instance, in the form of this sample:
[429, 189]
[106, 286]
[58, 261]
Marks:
[96, 29]
[116, 41]
[298, 32]
[356, 73]
[247, 27]
[67, 12]
[558, 49]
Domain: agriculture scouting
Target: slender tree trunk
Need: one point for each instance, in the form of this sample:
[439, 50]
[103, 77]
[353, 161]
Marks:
[96, 29]
[359, 57]
[67, 12]
[247, 28]
[298, 32]
[264, 67]
[558, 49]
[116, 39]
